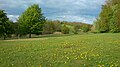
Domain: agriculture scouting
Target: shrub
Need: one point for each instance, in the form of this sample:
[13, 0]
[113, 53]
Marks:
[65, 30]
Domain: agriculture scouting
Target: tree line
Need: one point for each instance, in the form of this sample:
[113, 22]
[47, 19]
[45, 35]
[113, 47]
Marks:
[109, 18]
[65, 27]
[32, 21]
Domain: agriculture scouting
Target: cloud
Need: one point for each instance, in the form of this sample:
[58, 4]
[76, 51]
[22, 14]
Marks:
[13, 17]
[73, 18]
[80, 10]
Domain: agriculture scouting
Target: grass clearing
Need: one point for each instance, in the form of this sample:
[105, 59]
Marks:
[87, 50]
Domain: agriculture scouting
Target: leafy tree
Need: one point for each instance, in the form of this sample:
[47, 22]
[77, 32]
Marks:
[32, 20]
[5, 25]
[16, 29]
[104, 19]
[51, 27]
[76, 29]
[112, 2]
[57, 26]
[85, 28]
[48, 27]
[65, 29]
[37, 28]
[109, 18]
[115, 20]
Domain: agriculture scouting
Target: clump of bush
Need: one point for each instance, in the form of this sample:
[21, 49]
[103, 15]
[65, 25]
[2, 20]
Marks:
[85, 28]
[65, 29]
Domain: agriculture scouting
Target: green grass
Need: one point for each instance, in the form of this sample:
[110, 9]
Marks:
[88, 50]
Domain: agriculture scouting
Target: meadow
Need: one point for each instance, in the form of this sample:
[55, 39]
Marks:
[87, 50]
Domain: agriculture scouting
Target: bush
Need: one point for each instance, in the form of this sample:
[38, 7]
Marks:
[85, 28]
[65, 30]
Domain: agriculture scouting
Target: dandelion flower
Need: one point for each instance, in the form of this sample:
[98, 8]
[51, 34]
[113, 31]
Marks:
[67, 57]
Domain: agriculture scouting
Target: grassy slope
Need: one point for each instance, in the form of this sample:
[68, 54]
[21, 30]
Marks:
[92, 50]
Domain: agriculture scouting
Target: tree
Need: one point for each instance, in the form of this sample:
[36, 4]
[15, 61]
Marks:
[57, 26]
[49, 27]
[115, 20]
[85, 28]
[76, 29]
[109, 18]
[16, 29]
[112, 2]
[37, 28]
[65, 29]
[104, 19]
[5, 25]
[32, 20]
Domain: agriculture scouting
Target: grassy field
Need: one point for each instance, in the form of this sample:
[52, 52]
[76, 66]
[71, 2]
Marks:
[88, 50]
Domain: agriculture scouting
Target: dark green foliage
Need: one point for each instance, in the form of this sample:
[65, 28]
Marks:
[65, 29]
[37, 28]
[5, 25]
[16, 29]
[32, 20]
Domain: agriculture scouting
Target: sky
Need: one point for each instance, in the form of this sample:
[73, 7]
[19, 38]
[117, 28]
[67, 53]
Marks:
[85, 11]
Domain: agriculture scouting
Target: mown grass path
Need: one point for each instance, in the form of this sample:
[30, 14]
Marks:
[92, 50]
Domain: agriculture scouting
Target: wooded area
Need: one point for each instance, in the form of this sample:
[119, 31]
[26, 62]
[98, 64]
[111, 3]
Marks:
[33, 21]
[109, 18]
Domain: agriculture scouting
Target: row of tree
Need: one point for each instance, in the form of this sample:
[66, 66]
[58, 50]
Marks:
[32, 21]
[109, 18]
[65, 27]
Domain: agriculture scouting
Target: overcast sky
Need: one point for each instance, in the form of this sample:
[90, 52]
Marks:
[66, 10]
